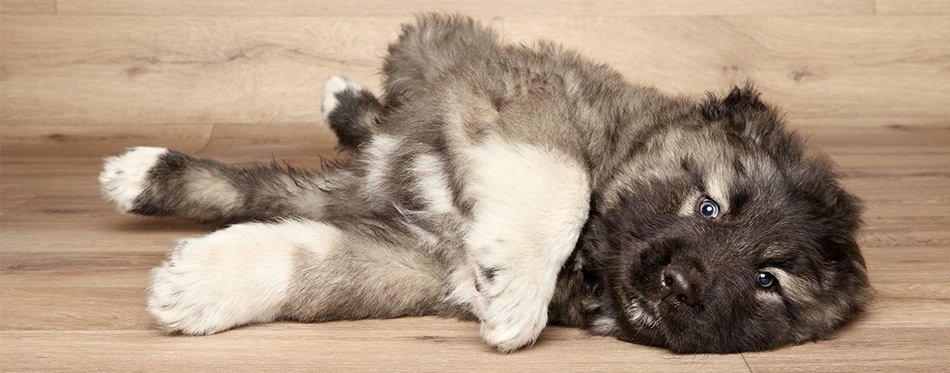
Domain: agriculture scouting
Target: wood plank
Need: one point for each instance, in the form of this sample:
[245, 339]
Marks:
[912, 7]
[871, 134]
[185, 70]
[95, 140]
[487, 8]
[71, 177]
[810, 66]
[269, 70]
[82, 269]
[904, 313]
[157, 70]
[924, 195]
[123, 233]
[12, 198]
[74, 309]
[880, 350]
[31, 7]
[905, 230]
[891, 163]
[927, 290]
[412, 344]
[301, 145]
[905, 264]
[859, 123]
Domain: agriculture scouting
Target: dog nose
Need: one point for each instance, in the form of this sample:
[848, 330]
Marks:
[682, 284]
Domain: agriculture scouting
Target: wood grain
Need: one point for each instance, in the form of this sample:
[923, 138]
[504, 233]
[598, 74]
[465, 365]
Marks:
[73, 275]
[912, 7]
[437, 345]
[485, 8]
[112, 70]
[144, 70]
[27, 6]
[239, 81]
[811, 66]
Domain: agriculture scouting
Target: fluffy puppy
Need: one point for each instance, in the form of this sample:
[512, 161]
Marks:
[519, 186]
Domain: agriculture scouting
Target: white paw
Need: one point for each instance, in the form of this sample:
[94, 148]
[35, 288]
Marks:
[334, 85]
[512, 317]
[232, 277]
[124, 177]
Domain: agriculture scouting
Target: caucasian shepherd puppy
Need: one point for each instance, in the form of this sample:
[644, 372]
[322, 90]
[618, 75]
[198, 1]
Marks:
[519, 186]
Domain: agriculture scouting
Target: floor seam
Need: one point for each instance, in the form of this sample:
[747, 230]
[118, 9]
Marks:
[746, 362]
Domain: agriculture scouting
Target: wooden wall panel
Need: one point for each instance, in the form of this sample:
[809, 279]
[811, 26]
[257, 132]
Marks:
[485, 8]
[27, 6]
[155, 70]
[913, 7]
[811, 66]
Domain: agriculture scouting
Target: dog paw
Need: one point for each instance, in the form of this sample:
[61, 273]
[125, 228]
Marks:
[513, 316]
[125, 177]
[332, 88]
[179, 295]
[220, 281]
[509, 328]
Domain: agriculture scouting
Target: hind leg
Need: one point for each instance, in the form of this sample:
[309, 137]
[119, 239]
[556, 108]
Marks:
[350, 110]
[293, 270]
[433, 46]
[162, 182]
[425, 51]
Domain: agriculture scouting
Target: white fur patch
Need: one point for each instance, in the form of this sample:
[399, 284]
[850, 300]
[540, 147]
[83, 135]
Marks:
[795, 288]
[232, 277]
[531, 204]
[205, 188]
[336, 84]
[690, 206]
[378, 154]
[124, 177]
[717, 183]
[433, 184]
[635, 312]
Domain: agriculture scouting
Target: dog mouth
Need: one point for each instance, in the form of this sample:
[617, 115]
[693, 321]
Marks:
[641, 321]
[641, 312]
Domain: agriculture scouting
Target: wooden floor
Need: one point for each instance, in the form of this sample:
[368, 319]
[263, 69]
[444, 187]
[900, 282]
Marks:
[240, 81]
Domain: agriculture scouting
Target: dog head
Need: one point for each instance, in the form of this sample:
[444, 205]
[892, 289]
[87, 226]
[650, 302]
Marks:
[729, 237]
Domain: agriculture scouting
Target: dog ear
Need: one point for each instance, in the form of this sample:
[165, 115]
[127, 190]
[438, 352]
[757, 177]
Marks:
[817, 179]
[740, 103]
[840, 215]
[742, 113]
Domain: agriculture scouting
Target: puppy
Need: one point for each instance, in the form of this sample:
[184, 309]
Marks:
[519, 186]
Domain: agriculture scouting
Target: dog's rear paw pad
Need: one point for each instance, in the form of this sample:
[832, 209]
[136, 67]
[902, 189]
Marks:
[124, 177]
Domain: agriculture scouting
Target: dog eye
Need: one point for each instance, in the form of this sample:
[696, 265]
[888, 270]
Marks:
[708, 208]
[765, 279]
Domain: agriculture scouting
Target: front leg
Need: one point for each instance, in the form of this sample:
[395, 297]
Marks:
[530, 206]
